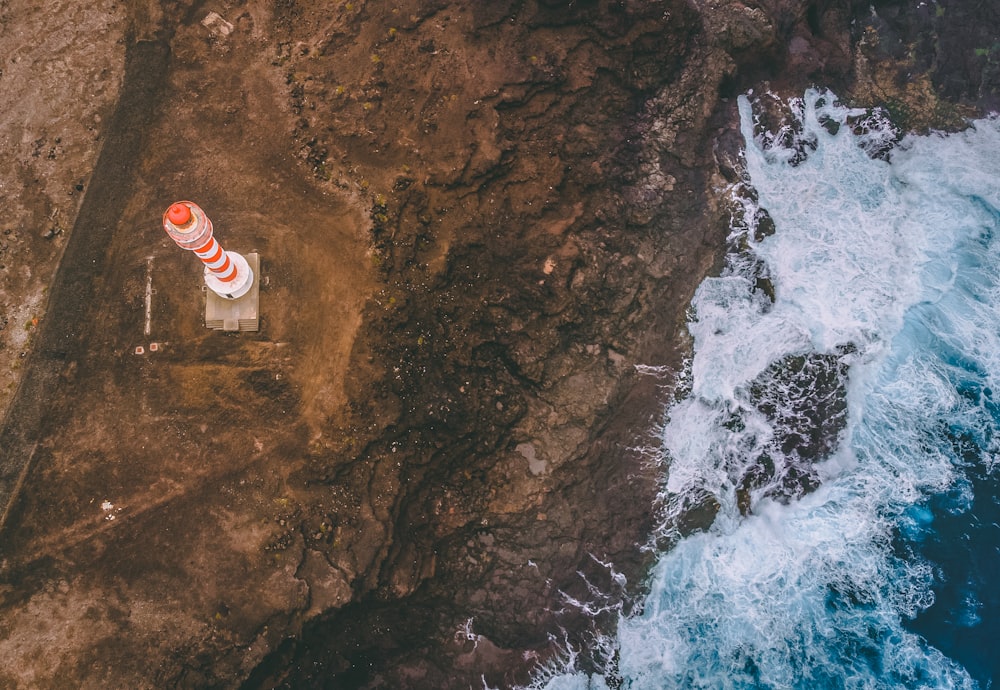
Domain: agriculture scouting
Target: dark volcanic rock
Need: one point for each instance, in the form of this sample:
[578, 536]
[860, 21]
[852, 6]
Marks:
[804, 398]
[538, 229]
[931, 65]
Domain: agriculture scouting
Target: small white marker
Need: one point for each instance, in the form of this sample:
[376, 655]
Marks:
[149, 296]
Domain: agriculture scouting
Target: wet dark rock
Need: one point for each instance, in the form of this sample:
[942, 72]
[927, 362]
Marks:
[931, 65]
[699, 517]
[779, 125]
[805, 399]
[952, 42]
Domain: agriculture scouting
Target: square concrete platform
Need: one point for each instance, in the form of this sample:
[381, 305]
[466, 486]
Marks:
[242, 314]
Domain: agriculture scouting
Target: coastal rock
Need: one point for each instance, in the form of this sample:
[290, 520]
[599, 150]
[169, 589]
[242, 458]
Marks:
[540, 241]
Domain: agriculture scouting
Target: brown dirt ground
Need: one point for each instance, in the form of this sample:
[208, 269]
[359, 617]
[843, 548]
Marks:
[185, 511]
[159, 477]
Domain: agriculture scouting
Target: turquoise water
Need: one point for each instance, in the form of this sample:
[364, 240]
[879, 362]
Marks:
[846, 430]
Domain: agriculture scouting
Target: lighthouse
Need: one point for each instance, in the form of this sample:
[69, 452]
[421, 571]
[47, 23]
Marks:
[233, 293]
[227, 274]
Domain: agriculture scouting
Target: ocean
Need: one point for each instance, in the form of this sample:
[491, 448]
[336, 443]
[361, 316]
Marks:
[839, 417]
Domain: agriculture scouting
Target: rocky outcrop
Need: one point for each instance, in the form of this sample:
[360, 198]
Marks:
[931, 66]
[539, 178]
[542, 181]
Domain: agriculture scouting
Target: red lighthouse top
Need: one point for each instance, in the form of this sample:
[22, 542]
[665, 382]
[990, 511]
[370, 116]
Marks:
[187, 225]
[179, 214]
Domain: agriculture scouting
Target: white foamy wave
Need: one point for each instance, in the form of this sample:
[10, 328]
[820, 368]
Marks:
[890, 272]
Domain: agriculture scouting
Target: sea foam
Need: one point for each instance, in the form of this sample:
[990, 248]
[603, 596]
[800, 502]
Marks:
[888, 268]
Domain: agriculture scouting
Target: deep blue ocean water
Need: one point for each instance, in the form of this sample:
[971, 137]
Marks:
[843, 412]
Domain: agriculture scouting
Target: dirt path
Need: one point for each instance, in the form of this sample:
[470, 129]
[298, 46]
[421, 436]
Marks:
[71, 312]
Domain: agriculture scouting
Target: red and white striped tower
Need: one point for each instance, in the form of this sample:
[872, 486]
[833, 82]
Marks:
[227, 274]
